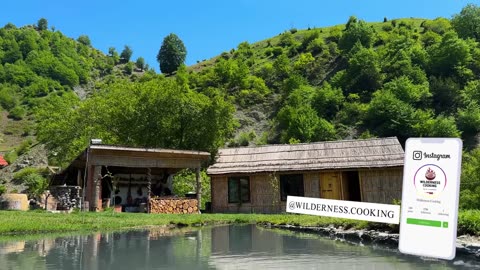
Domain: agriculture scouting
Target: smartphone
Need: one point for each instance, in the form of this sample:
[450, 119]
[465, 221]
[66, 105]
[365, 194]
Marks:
[429, 207]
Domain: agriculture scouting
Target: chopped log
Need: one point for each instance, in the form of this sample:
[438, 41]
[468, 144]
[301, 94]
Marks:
[173, 205]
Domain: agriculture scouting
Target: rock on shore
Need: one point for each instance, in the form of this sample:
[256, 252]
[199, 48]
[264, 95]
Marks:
[466, 244]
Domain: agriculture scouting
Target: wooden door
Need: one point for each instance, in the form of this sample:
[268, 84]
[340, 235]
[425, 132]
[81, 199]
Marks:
[330, 186]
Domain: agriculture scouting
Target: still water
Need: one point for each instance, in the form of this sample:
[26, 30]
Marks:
[224, 247]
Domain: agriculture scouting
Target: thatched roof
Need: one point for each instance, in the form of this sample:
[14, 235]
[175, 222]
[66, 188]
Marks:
[347, 154]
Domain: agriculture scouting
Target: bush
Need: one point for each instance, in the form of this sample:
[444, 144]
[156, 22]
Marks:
[387, 28]
[3, 189]
[293, 30]
[225, 55]
[7, 99]
[17, 113]
[128, 68]
[34, 178]
[184, 182]
[36, 184]
[316, 46]
[468, 222]
[24, 147]
[245, 138]
[10, 157]
[277, 51]
[23, 173]
[269, 52]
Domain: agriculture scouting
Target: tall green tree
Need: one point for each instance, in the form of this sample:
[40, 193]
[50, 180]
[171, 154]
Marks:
[172, 54]
[467, 23]
[153, 113]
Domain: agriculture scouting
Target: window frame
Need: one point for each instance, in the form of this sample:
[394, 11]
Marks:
[238, 183]
[286, 177]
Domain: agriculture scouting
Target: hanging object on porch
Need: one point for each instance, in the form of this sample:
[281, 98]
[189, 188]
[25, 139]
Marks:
[129, 193]
[139, 190]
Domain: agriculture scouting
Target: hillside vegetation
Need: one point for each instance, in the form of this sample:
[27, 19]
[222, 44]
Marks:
[406, 77]
[402, 77]
[37, 63]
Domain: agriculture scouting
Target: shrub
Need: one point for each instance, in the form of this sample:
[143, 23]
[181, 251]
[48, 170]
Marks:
[7, 99]
[128, 68]
[35, 180]
[23, 173]
[3, 189]
[24, 147]
[225, 55]
[316, 46]
[11, 156]
[262, 139]
[36, 184]
[293, 30]
[245, 138]
[184, 181]
[277, 51]
[387, 28]
[17, 113]
[286, 40]
[269, 52]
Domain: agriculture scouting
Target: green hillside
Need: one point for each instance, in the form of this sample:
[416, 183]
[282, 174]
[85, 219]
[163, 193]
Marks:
[36, 63]
[403, 77]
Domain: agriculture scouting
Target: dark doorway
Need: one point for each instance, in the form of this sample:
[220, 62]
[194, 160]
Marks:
[291, 184]
[351, 186]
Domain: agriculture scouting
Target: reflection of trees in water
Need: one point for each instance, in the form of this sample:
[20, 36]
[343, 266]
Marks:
[21, 255]
[161, 248]
[242, 246]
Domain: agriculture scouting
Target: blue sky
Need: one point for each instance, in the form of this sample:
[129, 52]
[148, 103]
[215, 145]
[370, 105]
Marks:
[206, 27]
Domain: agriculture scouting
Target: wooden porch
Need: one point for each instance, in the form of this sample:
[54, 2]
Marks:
[133, 179]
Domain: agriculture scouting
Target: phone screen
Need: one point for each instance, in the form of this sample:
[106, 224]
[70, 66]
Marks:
[431, 182]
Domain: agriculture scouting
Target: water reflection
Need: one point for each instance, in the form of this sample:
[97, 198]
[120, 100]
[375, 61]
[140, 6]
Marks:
[225, 247]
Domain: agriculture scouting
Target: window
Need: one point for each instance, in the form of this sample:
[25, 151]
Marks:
[238, 189]
[291, 184]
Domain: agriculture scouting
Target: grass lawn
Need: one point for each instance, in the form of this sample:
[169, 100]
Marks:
[33, 222]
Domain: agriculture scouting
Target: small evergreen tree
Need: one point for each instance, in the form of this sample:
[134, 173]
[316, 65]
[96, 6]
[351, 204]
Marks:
[85, 40]
[126, 54]
[42, 24]
[172, 54]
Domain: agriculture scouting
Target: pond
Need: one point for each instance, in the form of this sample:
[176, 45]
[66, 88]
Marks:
[222, 247]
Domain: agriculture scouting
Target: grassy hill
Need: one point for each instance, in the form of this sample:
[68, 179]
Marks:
[37, 63]
[405, 77]
[299, 72]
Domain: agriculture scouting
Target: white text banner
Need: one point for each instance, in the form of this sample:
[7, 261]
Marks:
[376, 212]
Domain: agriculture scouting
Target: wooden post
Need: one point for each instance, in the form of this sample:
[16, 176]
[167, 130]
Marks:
[199, 187]
[97, 180]
[149, 188]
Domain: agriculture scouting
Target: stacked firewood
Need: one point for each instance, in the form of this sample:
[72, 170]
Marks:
[173, 206]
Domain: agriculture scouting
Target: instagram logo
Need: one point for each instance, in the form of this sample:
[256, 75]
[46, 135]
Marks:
[417, 155]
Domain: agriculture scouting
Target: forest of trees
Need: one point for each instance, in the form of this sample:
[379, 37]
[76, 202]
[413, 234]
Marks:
[403, 78]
